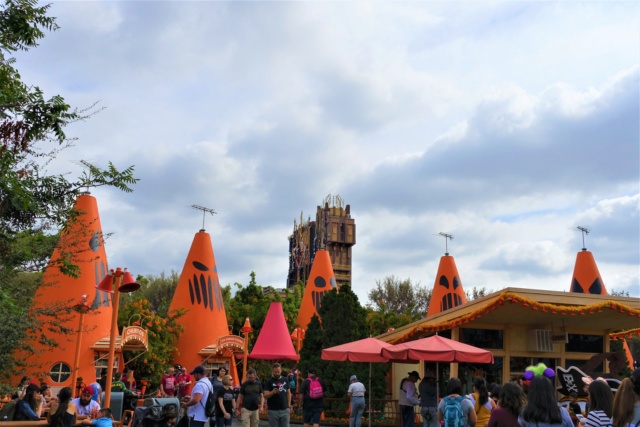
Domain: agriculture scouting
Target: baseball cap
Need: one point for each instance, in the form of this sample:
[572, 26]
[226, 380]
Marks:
[87, 390]
[197, 370]
[33, 387]
[414, 374]
[353, 378]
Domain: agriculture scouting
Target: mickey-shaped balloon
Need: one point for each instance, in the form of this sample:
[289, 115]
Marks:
[538, 370]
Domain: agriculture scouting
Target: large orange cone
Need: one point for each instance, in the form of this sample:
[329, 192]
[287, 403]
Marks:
[321, 280]
[199, 293]
[82, 241]
[447, 289]
[586, 277]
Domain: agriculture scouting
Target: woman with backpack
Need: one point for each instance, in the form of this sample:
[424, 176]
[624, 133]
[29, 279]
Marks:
[63, 411]
[510, 402]
[482, 405]
[456, 410]
[541, 409]
[29, 407]
[601, 404]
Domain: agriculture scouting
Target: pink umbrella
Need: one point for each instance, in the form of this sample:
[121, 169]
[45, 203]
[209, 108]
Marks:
[365, 350]
[438, 349]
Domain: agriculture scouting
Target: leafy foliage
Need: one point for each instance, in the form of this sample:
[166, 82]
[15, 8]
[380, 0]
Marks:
[163, 332]
[343, 320]
[34, 206]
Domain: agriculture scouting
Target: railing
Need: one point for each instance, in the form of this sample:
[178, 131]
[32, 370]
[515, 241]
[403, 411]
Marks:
[385, 412]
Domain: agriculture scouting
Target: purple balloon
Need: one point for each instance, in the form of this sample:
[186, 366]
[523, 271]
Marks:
[549, 373]
[528, 375]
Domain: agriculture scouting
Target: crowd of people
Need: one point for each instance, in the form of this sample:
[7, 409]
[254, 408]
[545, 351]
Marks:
[487, 406]
[510, 405]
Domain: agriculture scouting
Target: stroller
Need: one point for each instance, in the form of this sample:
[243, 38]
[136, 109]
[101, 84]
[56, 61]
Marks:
[156, 415]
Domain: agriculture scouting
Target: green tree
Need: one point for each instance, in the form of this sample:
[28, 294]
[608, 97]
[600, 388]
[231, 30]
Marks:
[159, 290]
[34, 206]
[400, 297]
[163, 332]
[343, 321]
[394, 303]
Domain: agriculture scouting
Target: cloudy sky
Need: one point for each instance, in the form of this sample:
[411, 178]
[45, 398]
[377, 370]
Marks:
[506, 124]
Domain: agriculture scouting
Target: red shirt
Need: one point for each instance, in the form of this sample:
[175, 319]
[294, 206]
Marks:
[184, 388]
[169, 384]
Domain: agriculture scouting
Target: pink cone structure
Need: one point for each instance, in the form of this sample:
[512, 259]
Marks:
[274, 341]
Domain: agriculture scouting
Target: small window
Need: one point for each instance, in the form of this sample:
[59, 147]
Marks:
[483, 338]
[60, 372]
[583, 343]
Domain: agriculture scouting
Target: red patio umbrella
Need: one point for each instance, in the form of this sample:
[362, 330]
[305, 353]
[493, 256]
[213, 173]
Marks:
[438, 349]
[364, 350]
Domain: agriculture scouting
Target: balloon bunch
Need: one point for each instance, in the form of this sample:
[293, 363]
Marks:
[536, 371]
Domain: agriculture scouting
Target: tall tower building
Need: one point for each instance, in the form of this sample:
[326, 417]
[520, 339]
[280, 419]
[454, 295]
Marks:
[333, 230]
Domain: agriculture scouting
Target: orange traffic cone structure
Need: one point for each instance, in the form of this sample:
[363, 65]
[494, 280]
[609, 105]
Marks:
[321, 280]
[82, 244]
[447, 289]
[199, 293]
[586, 279]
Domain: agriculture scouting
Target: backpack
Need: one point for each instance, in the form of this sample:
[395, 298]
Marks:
[292, 382]
[210, 404]
[315, 388]
[453, 415]
[8, 411]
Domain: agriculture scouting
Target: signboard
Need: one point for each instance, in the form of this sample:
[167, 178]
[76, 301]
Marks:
[231, 341]
[134, 338]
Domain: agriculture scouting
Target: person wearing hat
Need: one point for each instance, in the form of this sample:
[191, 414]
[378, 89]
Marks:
[199, 394]
[428, 400]
[85, 404]
[408, 398]
[356, 394]
[29, 407]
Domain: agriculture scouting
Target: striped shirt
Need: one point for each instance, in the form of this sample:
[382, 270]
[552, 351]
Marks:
[598, 419]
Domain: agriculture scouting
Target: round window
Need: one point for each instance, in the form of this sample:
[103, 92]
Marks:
[60, 372]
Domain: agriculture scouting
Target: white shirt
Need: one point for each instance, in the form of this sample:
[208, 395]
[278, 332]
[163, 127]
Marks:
[86, 410]
[203, 387]
[357, 389]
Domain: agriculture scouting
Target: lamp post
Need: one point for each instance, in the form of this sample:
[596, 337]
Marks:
[82, 307]
[298, 335]
[246, 330]
[124, 282]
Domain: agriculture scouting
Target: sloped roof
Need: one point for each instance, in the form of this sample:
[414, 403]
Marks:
[521, 306]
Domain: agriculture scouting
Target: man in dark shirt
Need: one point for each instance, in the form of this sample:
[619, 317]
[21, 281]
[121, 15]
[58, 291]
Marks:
[250, 400]
[311, 408]
[278, 394]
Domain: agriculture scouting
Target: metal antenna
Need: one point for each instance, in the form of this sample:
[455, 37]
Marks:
[447, 237]
[204, 212]
[584, 231]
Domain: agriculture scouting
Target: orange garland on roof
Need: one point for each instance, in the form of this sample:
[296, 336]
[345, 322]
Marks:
[624, 334]
[512, 298]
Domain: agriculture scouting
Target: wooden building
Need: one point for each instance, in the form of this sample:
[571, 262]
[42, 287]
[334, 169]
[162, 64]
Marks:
[523, 327]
